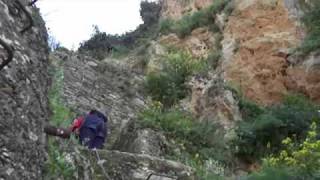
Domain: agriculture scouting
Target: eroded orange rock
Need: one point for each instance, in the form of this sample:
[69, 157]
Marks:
[257, 37]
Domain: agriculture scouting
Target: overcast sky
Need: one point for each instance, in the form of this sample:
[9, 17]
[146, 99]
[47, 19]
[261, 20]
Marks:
[70, 21]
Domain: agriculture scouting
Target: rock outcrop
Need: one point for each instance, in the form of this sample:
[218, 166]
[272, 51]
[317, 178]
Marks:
[258, 31]
[142, 141]
[258, 39]
[117, 165]
[199, 43]
[24, 86]
[212, 101]
[175, 9]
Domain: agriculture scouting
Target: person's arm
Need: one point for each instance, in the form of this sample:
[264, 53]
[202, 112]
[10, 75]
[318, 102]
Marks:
[76, 124]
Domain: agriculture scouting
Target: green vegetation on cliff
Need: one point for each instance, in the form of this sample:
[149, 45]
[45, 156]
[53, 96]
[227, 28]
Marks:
[311, 21]
[102, 44]
[169, 85]
[201, 18]
[197, 144]
[57, 164]
[262, 129]
[297, 160]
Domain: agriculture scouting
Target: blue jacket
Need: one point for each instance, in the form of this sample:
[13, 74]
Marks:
[97, 122]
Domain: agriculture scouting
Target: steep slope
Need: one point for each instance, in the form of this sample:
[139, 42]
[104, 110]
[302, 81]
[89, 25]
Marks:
[23, 92]
[108, 86]
[112, 87]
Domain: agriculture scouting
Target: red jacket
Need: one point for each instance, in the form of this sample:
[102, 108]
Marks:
[77, 123]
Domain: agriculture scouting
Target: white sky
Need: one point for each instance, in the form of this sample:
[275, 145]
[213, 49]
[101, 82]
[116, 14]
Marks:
[70, 21]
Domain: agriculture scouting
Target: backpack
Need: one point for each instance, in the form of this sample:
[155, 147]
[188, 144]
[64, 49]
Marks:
[96, 121]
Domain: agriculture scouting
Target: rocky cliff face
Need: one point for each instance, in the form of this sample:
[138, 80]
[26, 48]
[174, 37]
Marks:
[256, 56]
[257, 42]
[23, 91]
[114, 88]
[258, 39]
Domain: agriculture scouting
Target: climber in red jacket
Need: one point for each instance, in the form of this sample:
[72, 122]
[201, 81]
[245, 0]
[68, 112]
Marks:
[91, 129]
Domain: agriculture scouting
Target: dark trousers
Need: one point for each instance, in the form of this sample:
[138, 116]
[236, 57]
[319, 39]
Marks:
[88, 138]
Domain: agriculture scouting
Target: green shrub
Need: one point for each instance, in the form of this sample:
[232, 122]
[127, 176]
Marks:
[201, 18]
[173, 122]
[120, 51]
[263, 129]
[166, 25]
[249, 109]
[169, 86]
[184, 26]
[295, 161]
[199, 143]
[312, 22]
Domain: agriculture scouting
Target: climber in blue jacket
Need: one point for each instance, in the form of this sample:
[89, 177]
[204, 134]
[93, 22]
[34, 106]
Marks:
[91, 129]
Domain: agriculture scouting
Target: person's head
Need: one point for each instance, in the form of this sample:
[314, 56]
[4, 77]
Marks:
[99, 114]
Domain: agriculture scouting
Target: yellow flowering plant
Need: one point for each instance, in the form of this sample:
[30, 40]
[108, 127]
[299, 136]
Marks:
[304, 158]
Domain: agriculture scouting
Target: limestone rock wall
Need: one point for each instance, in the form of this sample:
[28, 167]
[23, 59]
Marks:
[109, 86]
[117, 165]
[23, 92]
[258, 39]
[112, 87]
